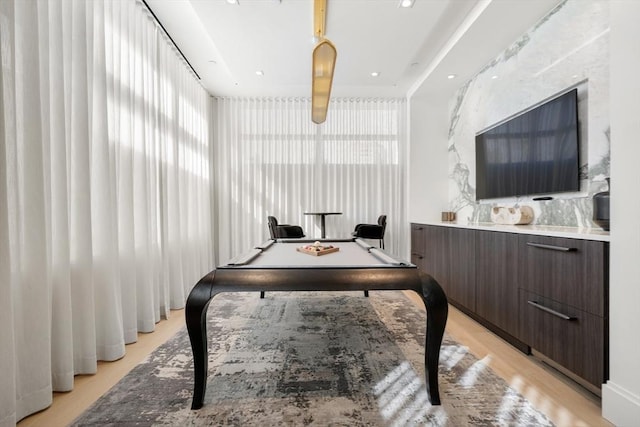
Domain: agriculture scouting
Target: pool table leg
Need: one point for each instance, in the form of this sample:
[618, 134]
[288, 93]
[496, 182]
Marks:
[195, 316]
[435, 301]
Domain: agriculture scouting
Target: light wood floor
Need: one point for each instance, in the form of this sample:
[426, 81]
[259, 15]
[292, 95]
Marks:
[565, 403]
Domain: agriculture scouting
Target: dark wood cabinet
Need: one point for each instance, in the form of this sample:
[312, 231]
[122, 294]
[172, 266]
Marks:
[435, 259]
[549, 294]
[462, 266]
[449, 257]
[496, 288]
[417, 244]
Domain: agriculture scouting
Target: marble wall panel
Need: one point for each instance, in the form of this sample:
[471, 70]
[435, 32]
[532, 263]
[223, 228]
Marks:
[568, 48]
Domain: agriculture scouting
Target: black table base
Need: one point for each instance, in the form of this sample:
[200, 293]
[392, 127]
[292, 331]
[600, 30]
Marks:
[300, 279]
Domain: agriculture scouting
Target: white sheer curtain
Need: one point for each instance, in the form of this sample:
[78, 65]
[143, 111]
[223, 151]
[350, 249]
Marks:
[105, 216]
[270, 159]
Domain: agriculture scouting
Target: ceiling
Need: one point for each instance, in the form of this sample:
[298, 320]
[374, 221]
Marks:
[409, 47]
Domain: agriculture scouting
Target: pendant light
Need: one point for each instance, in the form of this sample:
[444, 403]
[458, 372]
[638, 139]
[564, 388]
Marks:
[322, 66]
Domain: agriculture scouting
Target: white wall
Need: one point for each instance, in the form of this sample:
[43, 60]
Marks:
[621, 394]
[428, 181]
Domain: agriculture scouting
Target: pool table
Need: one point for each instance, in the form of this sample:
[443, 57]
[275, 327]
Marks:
[277, 265]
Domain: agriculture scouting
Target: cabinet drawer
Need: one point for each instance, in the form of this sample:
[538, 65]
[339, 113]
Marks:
[569, 271]
[573, 338]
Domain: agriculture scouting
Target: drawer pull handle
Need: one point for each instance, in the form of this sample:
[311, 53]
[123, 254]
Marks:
[552, 247]
[551, 311]
[417, 255]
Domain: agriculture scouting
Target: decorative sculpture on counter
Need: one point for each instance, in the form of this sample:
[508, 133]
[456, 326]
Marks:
[516, 215]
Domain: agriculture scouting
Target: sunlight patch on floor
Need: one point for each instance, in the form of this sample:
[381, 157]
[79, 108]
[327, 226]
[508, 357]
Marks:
[403, 400]
[546, 404]
[470, 377]
[450, 355]
[506, 406]
[510, 408]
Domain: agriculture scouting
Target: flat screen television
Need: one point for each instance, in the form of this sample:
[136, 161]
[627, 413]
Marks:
[533, 153]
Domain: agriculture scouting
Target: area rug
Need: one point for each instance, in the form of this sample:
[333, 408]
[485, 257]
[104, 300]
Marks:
[312, 359]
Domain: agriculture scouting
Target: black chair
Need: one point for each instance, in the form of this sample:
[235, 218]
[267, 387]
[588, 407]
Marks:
[283, 231]
[372, 231]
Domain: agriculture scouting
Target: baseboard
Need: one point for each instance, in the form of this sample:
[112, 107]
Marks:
[595, 390]
[620, 406]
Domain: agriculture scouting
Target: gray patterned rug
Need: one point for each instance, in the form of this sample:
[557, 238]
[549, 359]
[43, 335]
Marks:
[312, 359]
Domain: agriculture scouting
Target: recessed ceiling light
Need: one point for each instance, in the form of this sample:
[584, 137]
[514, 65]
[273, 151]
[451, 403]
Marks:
[406, 3]
[494, 77]
[260, 73]
[233, 2]
[451, 76]
[213, 61]
[375, 74]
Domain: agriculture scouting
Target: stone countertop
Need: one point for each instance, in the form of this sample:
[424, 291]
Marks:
[540, 230]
